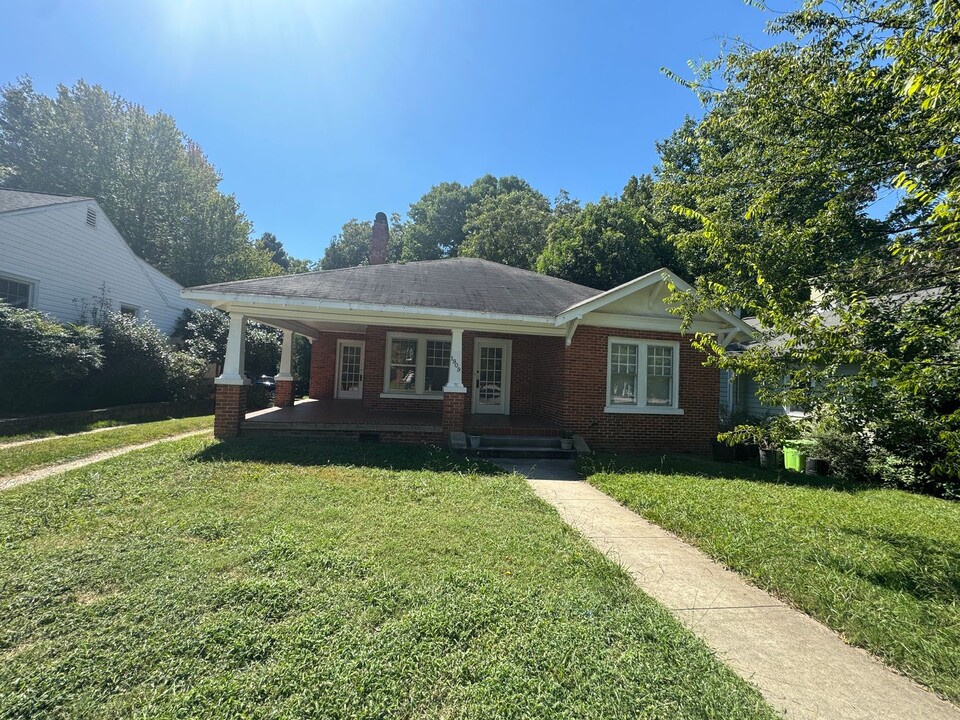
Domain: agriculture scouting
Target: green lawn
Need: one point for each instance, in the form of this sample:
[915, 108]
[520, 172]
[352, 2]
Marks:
[20, 459]
[62, 428]
[880, 566]
[285, 578]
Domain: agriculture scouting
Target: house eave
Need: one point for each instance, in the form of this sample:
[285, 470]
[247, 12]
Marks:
[297, 308]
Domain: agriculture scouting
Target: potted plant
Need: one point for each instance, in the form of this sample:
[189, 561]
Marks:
[566, 440]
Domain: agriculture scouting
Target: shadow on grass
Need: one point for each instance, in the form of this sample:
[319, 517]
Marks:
[704, 466]
[927, 569]
[309, 451]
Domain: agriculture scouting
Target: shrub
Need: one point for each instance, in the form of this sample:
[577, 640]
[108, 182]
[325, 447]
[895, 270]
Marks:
[43, 361]
[204, 335]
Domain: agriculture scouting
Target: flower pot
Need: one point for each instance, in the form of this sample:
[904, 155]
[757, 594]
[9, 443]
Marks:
[816, 466]
[474, 441]
[723, 453]
[768, 458]
[566, 443]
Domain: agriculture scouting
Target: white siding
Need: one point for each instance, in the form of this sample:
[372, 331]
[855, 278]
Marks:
[70, 261]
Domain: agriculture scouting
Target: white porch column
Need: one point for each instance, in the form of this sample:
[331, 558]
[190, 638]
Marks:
[236, 349]
[286, 356]
[455, 377]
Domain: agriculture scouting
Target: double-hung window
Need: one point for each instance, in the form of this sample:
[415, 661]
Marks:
[416, 364]
[643, 376]
[16, 292]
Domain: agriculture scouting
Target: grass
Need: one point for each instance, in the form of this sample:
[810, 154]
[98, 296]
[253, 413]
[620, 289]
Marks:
[16, 460]
[64, 428]
[285, 578]
[880, 566]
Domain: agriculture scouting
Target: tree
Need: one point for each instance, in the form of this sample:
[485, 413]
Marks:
[437, 227]
[351, 247]
[269, 243]
[798, 144]
[609, 242]
[508, 228]
[154, 183]
[204, 335]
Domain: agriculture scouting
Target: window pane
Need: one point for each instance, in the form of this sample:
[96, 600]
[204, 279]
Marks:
[623, 374]
[659, 376]
[438, 365]
[15, 293]
[403, 364]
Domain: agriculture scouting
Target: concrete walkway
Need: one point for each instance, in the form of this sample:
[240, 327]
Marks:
[802, 668]
[44, 472]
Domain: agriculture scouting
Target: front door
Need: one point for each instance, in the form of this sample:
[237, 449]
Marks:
[491, 376]
[349, 370]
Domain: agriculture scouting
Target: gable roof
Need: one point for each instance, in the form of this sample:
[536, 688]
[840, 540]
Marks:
[461, 284]
[11, 200]
[655, 277]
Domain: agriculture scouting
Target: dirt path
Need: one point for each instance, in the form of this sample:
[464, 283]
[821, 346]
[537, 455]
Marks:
[31, 441]
[41, 473]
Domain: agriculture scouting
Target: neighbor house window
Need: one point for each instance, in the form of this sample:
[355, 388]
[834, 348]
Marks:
[129, 310]
[16, 292]
[642, 376]
[416, 364]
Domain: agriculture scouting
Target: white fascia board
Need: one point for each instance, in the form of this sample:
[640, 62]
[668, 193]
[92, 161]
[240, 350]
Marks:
[272, 301]
[581, 309]
[41, 208]
[645, 322]
[628, 288]
[305, 310]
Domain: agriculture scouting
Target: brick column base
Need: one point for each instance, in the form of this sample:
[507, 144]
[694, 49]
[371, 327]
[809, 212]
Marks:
[453, 407]
[283, 393]
[230, 410]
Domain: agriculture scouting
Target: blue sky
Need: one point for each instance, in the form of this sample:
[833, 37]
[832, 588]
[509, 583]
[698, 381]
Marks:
[317, 112]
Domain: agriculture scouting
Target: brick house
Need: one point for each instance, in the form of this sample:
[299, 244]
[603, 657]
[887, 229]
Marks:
[422, 351]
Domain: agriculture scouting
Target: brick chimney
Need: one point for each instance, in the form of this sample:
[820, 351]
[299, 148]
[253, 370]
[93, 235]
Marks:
[379, 239]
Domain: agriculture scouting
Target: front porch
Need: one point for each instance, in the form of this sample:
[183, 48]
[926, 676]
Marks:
[350, 419]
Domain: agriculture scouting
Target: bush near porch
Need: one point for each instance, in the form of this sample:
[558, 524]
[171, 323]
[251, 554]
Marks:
[879, 565]
[48, 366]
[274, 579]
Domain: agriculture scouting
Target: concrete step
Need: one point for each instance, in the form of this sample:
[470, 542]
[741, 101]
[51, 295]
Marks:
[518, 452]
[523, 441]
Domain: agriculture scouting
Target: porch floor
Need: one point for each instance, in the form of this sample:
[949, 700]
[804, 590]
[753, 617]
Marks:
[345, 415]
[350, 415]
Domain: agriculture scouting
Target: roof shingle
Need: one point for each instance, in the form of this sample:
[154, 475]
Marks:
[467, 284]
[11, 200]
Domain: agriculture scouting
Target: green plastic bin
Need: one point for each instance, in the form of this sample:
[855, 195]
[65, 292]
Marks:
[795, 453]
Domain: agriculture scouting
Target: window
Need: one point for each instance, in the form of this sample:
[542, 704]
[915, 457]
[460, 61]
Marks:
[129, 310]
[416, 364]
[642, 376]
[16, 292]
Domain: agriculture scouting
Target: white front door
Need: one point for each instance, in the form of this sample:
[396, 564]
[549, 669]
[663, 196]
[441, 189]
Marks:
[491, 376]
[349, 370]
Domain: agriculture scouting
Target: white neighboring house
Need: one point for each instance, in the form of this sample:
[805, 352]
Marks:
[58, 252]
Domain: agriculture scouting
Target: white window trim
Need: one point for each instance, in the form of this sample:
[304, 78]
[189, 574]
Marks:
[34, 287]
[641, 408]
[135, 308]
[420, 369]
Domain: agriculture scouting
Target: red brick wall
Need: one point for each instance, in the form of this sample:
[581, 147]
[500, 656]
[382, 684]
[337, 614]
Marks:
[323, 363]
[548, 381]
[584, 397]
[231, 407]
[283, 393]
[373, 369]
[453, 411]
[564, 385]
